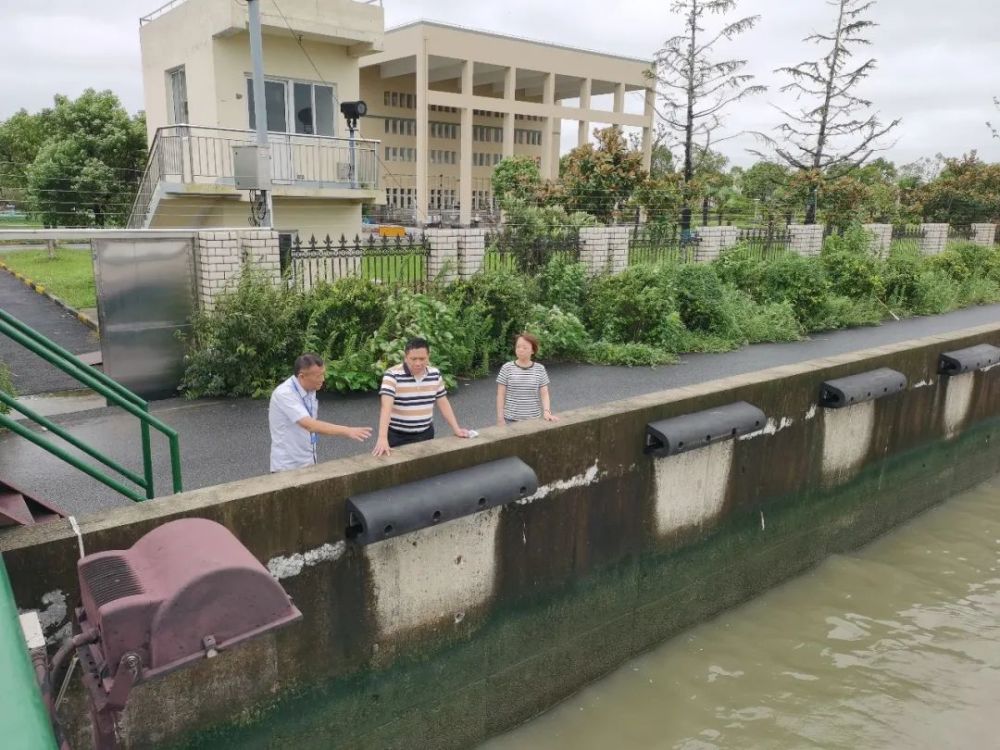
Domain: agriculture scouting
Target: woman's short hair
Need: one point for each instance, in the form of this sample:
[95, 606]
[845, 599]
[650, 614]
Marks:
[530, 338]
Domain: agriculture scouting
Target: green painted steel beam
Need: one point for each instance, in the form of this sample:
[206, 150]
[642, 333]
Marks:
[24, 720]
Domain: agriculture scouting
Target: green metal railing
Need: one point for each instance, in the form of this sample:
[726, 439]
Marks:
[114, 392]
[24, 720]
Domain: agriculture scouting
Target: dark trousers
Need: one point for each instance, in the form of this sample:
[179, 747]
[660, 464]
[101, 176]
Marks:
[397, 438]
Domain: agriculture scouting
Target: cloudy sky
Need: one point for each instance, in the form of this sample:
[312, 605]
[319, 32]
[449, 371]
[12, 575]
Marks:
[938, 61]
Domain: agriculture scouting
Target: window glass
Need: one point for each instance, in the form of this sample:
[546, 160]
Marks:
[303, 109]
[325, 121]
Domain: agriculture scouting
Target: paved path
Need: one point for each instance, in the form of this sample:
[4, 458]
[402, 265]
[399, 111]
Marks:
[32, 374]
[225, 440]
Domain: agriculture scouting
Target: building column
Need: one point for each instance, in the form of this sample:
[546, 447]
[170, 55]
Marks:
[647, 131]
[583, 133]
[549, 170]
[465, 151]
[619, 107]
[423, 126]
[509, 97]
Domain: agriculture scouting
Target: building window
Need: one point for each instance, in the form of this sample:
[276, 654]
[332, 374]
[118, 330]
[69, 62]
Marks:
[308, 107]
[177, 100]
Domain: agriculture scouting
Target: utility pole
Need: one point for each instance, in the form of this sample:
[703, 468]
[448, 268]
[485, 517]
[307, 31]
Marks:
[264, 215]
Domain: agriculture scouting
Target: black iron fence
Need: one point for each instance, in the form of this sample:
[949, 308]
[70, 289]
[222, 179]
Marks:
[765, 242]
[400, 261]
[908, 237]
[519, 249]
[657, 244]
[961, 232]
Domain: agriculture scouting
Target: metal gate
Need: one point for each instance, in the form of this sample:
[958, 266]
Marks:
[145, 296]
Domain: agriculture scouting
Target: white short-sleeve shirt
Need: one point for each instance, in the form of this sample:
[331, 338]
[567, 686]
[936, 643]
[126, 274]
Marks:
[292, 446]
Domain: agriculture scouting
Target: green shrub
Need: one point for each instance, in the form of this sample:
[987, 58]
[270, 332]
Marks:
[740, 267]
[855, 275]
[346, 312]
[247, 344]
[701, 302]
[636, 306]
[454, 332]
[759, 323]
[563, 283]
[628, 355]
[504, 297]
[801, 282]
[561, 335]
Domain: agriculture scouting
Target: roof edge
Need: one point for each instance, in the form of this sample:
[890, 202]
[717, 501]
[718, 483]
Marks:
[472, 29]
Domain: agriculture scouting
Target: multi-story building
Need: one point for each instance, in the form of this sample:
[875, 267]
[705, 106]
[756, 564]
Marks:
[199, 105]
[449, 103]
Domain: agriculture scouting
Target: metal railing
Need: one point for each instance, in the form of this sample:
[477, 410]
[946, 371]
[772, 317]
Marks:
[396, 261]
[193, 155]
[518, 248]
[114, 392]
[23, 715]
[908, 237]
[659, 244]
[142, 204]
[765, 242]
[963, 232]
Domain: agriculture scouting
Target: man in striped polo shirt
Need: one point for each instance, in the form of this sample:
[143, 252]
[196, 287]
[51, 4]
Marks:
[409, 392]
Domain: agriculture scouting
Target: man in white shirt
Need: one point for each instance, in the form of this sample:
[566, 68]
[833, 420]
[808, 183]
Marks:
[293, 417]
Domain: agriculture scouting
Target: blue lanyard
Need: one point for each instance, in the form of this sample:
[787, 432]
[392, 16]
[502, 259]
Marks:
[313, 437]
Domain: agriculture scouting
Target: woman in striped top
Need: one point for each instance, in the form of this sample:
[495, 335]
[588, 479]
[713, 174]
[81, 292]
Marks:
[523, 385]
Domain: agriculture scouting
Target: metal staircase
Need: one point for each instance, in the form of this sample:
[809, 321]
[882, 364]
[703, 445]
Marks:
[18, 508]
[131, 484]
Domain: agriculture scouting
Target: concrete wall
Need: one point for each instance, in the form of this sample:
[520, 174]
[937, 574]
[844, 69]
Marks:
[443, 637]
[881, 237]
[984, 234]
[935, 238]
[806, 239]
[713, 241]
[221, 256]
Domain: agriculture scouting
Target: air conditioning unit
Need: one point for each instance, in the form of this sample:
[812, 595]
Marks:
[344, 172]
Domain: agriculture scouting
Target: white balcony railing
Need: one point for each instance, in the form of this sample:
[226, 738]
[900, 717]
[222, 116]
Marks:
[188, 155]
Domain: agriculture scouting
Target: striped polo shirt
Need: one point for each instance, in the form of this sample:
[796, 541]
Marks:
[523, 399]
[412, 399]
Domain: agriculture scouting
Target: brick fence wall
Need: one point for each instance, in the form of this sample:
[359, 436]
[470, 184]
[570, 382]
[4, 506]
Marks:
[221, 255]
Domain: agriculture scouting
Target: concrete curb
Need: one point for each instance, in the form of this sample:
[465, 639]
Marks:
[40, 289]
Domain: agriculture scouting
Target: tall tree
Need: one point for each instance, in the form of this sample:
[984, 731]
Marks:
[836, 128]
[21, 137]
[602, 179]
[88, 168]
[996, 133]
[693, 88]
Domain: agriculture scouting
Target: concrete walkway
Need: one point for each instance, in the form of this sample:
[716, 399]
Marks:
[225, 440]
[30, 373]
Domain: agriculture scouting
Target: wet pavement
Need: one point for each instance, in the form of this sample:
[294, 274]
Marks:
[226, 440]
[30, 373]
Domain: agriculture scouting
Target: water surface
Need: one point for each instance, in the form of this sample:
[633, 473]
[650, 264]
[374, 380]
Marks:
[894, 646]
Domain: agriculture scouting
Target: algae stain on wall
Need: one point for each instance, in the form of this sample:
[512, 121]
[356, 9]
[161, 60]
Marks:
[691, 487]
[435, 573]
[847, 436]
[958, 399]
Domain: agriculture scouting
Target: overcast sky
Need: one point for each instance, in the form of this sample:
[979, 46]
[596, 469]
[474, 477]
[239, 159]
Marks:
[938, 61]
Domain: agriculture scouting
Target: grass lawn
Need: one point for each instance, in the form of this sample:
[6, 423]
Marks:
[69, 276]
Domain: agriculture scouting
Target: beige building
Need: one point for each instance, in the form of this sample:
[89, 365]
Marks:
[199, 105]
[448, 103]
